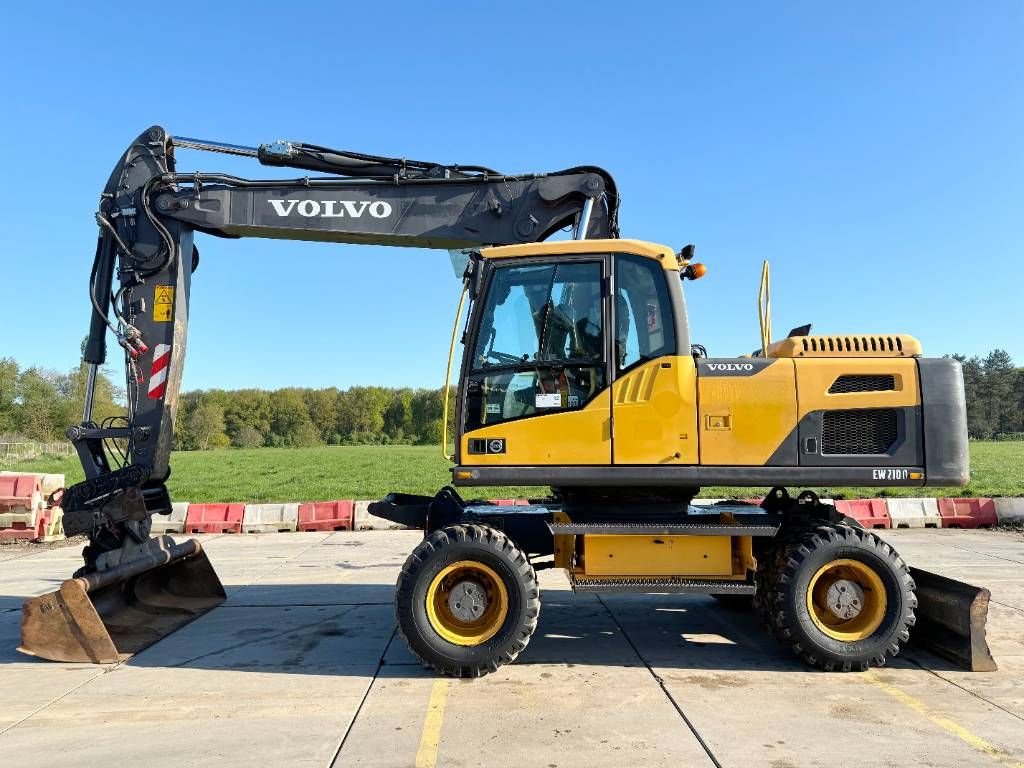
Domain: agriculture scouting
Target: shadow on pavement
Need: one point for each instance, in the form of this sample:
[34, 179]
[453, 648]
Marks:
[349, 628]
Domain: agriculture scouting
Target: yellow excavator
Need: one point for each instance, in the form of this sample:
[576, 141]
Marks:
[578, 372]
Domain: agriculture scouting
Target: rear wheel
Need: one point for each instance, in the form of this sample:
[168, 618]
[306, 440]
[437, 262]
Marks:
[841, 598]
[467, 600]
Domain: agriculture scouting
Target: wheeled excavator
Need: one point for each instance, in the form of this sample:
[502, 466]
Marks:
[577, 372]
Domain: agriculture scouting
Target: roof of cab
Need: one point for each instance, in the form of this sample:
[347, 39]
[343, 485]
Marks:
[661, 253]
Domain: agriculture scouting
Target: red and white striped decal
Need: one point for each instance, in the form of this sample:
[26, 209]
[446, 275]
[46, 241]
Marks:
[158, 371]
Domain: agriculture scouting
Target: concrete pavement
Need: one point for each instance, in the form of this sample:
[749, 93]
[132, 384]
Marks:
[301, 667]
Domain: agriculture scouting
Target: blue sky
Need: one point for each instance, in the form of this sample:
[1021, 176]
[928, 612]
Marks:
[873, 152]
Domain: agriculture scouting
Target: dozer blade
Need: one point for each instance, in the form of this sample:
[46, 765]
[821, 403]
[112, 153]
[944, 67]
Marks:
[951, 619]
[108, 616]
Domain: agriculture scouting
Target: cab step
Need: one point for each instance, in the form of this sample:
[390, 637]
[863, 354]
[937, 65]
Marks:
[666, 584]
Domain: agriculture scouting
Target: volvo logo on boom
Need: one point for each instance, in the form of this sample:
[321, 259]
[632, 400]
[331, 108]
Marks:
[332, 209]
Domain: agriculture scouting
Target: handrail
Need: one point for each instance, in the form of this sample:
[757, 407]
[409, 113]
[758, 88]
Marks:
[448, 376]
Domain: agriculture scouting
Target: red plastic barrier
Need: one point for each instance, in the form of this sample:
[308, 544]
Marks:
[510, 502]
[326, 516]
[214, 518]
[871, 513]
[967, 513]
[18, 490]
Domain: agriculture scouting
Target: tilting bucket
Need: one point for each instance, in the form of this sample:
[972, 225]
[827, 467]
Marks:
[951, 618]
[108, 616]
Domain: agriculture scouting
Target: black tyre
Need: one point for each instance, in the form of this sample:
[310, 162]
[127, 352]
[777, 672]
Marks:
[841, 598]
[467, 600]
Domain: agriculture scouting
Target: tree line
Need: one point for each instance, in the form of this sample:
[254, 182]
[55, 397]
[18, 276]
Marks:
[299, 417]
[39, 404]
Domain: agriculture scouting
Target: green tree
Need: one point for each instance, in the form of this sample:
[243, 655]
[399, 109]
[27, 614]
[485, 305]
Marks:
[978, 423]
[247, 413]
[39, 406]
[361, 411]
[427, 410]
[206, 426]
[8, 394]
[997, 390]
[398, 415]
[322, 405]
[289, 420]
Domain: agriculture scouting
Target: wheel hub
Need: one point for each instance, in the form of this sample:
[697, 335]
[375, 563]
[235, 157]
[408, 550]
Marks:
[845, 599]
[467, 600]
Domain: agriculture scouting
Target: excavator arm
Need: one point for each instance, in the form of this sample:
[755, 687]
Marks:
[148, 214]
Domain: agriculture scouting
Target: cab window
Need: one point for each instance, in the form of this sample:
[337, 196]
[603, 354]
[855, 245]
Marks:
[540, 342]
[644, 327]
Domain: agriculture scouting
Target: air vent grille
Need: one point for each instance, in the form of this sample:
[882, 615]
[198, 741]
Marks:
[857, 382]
[852, 344]
[870, 431]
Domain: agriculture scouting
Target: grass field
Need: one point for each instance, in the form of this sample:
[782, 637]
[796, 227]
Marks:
[369, 472]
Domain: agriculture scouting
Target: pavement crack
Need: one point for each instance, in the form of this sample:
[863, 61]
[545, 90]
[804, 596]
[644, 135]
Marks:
[362, 701]
[968, 691]
[282, 564]
[1007, 605]
[986, 554]
[50, 703]
[661, 684]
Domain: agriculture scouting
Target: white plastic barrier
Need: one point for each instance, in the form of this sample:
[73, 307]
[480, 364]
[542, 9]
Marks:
[1010, 510]
[914, 513]
[362, 520]
[270, 518]
[172, 523]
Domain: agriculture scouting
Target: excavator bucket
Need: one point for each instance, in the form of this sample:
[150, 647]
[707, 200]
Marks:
[951, 618]
[110, 615]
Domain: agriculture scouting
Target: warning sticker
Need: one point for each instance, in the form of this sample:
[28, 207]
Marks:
[163, 303]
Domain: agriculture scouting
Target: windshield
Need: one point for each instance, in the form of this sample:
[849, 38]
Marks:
[540, 345]
[549, 314]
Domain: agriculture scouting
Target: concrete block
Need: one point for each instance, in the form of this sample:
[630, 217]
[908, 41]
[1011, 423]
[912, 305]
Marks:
[1010, 510]
[914, 513]
[270, 518]
[172, 523]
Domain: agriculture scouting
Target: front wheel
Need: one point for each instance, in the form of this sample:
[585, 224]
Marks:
[841, 598]
[467, 600]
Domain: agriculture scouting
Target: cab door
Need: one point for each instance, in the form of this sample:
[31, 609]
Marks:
[654, 394]
[536, 382]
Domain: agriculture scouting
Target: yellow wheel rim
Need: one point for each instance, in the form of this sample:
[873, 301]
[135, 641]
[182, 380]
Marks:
[467, 603]
[846, 600]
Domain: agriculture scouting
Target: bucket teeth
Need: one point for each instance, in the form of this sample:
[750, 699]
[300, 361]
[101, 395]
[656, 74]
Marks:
[110, 615]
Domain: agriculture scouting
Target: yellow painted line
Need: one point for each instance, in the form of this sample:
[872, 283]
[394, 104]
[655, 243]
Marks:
[966, 736]
[426, 755]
